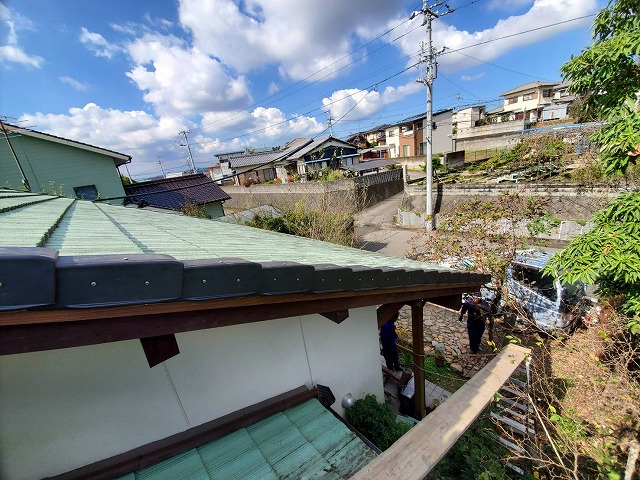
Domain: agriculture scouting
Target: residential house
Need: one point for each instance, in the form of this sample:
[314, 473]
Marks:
[525, 102]
[40, 162]
[408, 138]
[220, 173]
[561, 100]
[178, 193]
[135, 341]
[324, 152]
[371, 144]
[262, 165]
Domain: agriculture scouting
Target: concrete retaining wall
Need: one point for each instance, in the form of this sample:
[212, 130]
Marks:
[340, 196]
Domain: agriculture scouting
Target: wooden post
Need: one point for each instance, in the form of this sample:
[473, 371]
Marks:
[418, 357]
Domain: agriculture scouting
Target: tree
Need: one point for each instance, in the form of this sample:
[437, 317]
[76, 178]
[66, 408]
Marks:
[608, 74]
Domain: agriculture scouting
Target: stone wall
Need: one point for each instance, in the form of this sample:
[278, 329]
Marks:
[566, 202]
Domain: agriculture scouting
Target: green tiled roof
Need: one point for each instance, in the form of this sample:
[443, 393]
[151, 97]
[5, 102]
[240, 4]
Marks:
[79, 227]
[305, 441]
[103, 255]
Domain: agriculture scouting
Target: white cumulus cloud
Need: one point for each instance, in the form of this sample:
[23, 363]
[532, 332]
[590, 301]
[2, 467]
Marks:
[98, 44]
[133, 132]
[489, 43]
[183, 80]
[356, 104]
[300, 37]
[11, 51]
[73, 83]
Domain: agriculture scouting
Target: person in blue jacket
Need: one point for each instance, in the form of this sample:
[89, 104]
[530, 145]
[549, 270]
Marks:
[476, 320]
[388, 339]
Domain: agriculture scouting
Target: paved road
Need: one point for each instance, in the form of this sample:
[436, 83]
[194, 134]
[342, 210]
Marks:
[376, 229]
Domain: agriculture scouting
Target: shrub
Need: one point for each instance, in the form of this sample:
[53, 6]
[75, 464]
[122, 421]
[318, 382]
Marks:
[376, 422]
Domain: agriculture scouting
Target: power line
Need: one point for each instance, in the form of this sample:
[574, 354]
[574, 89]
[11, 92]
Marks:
[348, 55]
[448, 51]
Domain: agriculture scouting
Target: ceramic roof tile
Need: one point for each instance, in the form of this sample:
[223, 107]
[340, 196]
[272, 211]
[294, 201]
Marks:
[174, 193]
[282, 446]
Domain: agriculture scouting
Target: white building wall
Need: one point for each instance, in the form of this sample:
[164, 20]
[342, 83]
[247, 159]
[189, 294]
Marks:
[63, 409]
[393, 141]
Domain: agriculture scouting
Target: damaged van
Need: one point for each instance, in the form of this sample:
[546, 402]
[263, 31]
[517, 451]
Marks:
[549, 303]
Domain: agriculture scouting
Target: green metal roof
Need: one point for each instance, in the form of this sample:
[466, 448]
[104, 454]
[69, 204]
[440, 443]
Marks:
[302, 442]
[80, 227]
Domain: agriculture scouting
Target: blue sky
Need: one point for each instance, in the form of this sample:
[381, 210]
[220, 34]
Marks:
[129, 75]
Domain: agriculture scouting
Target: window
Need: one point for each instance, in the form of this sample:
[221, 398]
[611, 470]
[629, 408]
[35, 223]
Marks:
[512, 100]
[406, 150]
[546, 93]
[529, 96]
[86, 192]
[390, 133]
[534, 279]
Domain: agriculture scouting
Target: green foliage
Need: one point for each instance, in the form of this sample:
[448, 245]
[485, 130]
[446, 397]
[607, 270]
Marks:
[376, 421]
[609, 254]
[608, 74]
[487, 233]
[193, 210]
[476, 455]
[334, 227]
[441, 375]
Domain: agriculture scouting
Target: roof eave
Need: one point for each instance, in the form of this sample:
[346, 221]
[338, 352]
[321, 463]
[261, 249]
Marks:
[31, 331]
[116, 156]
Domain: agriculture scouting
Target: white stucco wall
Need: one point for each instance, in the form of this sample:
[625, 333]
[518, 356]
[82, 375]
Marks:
[60, 410]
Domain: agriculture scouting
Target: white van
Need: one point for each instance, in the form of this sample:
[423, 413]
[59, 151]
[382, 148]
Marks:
[550, 304]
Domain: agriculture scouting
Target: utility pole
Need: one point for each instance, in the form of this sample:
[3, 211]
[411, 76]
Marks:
[428, 56]
[161, 169]
[330, 123]
[192, 165]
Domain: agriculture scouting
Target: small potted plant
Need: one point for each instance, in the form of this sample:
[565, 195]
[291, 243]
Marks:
[438, 357]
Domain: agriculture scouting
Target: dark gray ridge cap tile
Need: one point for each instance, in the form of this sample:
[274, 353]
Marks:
[222, 277]
[367, 278]
[432, 277]
[27, 277]
[90, 281]
[286, 277]
[395, 277]
[332, 278]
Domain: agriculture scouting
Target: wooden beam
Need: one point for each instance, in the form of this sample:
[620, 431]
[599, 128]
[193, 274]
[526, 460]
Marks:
[365, 297]
[387, 311]
[71, 330]
[454, 302]
[338, 316]
[158, 349]
[418, 451]
[417, 328]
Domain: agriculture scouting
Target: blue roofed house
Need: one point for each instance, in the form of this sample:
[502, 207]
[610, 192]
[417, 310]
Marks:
[179, 193]
[136, 344]
[39, 162]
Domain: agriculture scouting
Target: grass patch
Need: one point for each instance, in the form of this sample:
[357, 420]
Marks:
[442, 375]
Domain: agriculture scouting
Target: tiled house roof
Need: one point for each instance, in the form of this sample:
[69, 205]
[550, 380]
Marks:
[188, 251]
[528, 86]
[175, 193]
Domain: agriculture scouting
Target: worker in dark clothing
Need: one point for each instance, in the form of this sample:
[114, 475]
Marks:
[388, 339]
[476, 317]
